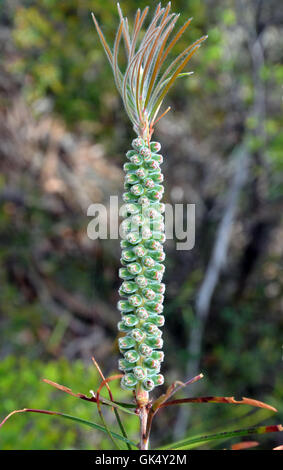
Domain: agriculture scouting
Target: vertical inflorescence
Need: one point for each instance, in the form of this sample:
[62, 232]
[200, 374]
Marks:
[142, 271]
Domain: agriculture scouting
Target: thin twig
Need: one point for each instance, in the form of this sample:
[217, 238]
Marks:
[112, 399]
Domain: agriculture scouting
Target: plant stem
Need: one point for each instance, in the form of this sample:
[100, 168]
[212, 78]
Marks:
[141, 396]
[144, 439]
[142, 399]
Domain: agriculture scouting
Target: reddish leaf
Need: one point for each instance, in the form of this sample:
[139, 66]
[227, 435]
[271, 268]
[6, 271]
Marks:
[174, 387]
[69, 391]
[103, 378]
[230, 400]
[30, 410]
[244, 445]
[160, 401]
[123, 406]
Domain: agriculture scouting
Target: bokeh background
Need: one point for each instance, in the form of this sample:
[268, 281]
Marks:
[63, 136]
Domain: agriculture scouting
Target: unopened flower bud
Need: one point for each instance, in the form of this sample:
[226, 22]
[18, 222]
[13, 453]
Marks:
[148, 384]
[139, 251]
[142, 313]
[126, 343]
[141, 281]
[131, 320]
[128, 382]
[149, 294]
[155, 146]
[132, 356]
[145, 153]
[136, 160]
[137, 189]
[148, 262]
[124, 365]
[129, 287]
[134, 237]
[159, 355]
[158, 379]
[141, 173]
[145, 350]
[135, 300]
[152, 363]
[131, 178]
[138, 143]
[138, 335]
[134, 268]
[139, 373]
[124, 306]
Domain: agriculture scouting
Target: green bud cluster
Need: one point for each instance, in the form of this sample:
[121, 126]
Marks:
[142, 269]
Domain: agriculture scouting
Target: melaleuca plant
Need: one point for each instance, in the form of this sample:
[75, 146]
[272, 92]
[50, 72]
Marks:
[143, 85]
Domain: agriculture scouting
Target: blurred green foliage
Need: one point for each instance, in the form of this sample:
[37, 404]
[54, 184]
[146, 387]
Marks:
[58, 40]
[24, 389]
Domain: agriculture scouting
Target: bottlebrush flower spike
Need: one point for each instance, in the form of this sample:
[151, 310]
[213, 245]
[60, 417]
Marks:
[142, 271]
[143, 86]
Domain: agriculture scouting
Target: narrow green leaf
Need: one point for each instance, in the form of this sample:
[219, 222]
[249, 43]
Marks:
[127, 408]
[96, 426]
[122, 428]
[200, 440]
[126, 405]
[107, 430]
[184, 74]
[72, 418]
